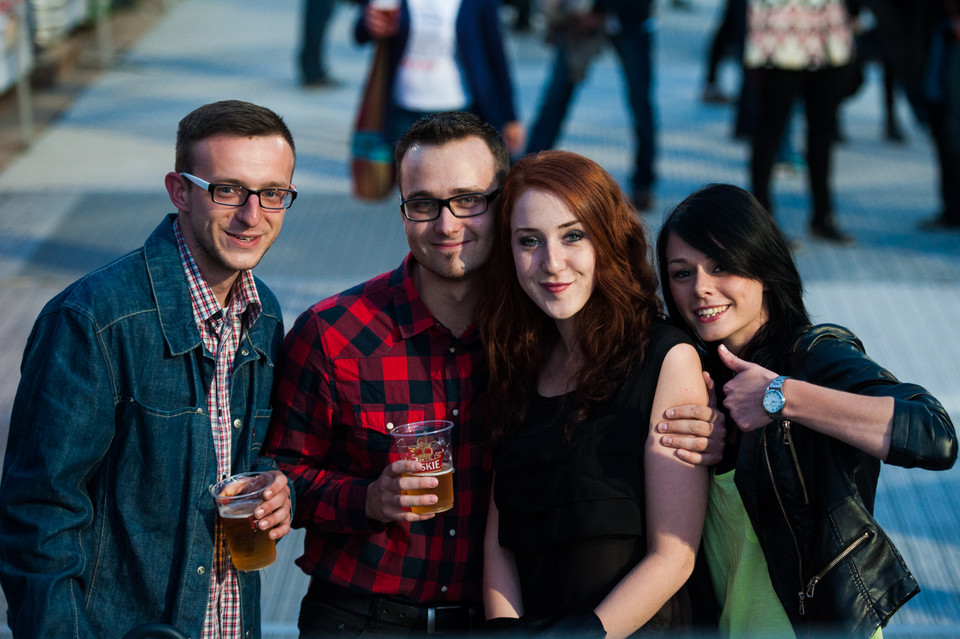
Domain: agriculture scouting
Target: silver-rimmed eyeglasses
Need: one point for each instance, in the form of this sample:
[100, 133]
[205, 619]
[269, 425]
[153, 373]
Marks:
[271, 199]
[425, 209]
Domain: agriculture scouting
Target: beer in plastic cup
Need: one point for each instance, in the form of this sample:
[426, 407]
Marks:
[429, 443]
[237, 498]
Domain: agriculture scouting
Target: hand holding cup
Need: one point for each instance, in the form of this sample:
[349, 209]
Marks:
[254, 511]
[420, 483]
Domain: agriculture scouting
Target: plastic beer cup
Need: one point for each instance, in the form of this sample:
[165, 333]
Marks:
[237, 498]
[429, 443]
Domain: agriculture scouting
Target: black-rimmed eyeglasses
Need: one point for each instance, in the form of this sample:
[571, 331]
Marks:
[425, 209]
[271, 199]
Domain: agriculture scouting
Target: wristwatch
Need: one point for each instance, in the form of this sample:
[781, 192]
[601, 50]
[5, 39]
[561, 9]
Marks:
[773, 399]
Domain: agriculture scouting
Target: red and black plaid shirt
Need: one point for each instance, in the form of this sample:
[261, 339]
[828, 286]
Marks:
[353, 366]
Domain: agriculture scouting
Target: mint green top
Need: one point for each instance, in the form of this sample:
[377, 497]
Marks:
[748, 603]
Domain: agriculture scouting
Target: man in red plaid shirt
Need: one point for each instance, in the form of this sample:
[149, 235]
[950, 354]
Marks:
[399, 348]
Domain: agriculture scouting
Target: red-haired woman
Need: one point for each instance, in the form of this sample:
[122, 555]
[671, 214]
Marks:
[594, 524]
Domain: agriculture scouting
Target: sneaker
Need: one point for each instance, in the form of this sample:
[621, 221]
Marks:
[829, 232]
[713, 95]
[894, 133]
[323, 82]
[642, 200]
[940, 223]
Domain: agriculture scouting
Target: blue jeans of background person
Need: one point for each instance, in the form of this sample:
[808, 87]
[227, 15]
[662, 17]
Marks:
[316, 16]
[944, 113]
[634, 46]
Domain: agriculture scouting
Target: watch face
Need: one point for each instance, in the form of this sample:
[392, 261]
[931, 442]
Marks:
[773, 401]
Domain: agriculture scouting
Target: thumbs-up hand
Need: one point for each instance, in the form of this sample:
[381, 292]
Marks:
[745, 391]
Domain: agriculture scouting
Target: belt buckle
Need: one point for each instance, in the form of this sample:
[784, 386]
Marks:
[432, 617]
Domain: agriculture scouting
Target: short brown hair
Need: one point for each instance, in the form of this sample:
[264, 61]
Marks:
[230, 117]
[452, 126]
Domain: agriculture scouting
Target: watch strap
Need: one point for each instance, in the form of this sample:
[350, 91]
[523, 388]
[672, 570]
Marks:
[777, 383]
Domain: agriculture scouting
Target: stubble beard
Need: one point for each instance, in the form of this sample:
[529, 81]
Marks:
[452, 270]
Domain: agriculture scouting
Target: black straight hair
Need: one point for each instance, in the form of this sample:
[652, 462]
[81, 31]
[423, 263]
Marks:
[729, 225]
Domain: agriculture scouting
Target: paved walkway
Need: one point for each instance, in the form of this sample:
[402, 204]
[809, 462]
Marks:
[91, 188]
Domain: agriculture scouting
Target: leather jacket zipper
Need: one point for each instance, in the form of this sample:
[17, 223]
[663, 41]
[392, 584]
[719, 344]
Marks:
[788, 442]
[846, 552]
[783, 511]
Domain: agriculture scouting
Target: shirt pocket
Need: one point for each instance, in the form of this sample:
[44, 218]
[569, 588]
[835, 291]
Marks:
[157, 448]
[382, 418]
[375, 421]
[261, 420]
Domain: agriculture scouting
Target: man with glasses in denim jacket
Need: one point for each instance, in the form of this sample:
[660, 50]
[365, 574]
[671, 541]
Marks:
[399, 348]
[142, 384]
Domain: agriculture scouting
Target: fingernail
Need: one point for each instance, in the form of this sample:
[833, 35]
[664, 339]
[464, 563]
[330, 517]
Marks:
[667, 441]
[661, 427]
[259, 513]
[670, 412]
[724, 348]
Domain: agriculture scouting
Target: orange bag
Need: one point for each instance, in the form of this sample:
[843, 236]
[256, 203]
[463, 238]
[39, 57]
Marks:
[372, 169]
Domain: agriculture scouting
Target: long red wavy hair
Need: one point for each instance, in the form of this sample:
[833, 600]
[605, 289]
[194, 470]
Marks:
[613, 327]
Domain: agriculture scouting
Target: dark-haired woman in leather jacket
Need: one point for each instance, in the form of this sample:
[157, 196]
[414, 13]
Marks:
[790, 539]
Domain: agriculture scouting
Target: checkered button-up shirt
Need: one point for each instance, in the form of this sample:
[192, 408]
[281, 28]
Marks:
[220, 331]
[352, 367]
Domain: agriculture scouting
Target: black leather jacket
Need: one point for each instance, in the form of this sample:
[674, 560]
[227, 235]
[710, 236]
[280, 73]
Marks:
[810, 497]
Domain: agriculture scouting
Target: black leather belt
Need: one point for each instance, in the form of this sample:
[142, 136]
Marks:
[452, 618]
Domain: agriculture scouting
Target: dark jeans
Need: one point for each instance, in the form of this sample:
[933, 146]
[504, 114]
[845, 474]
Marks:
[944, 115]
[333, 611]
[728, 37]
[316, 16]
[319, 619]
[633, 45]
[777, 90]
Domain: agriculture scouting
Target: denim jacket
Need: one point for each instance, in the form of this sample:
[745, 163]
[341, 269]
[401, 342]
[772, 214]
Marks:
[106, 522]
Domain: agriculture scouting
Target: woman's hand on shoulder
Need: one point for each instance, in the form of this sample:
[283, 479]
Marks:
[696, 432]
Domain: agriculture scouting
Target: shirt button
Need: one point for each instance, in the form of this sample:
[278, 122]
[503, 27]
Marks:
[453, 349]
[452, 532]
[444, 589]
[237, 423]
[200, 570]
[244, 352]
[389, 425]
[456, 411]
